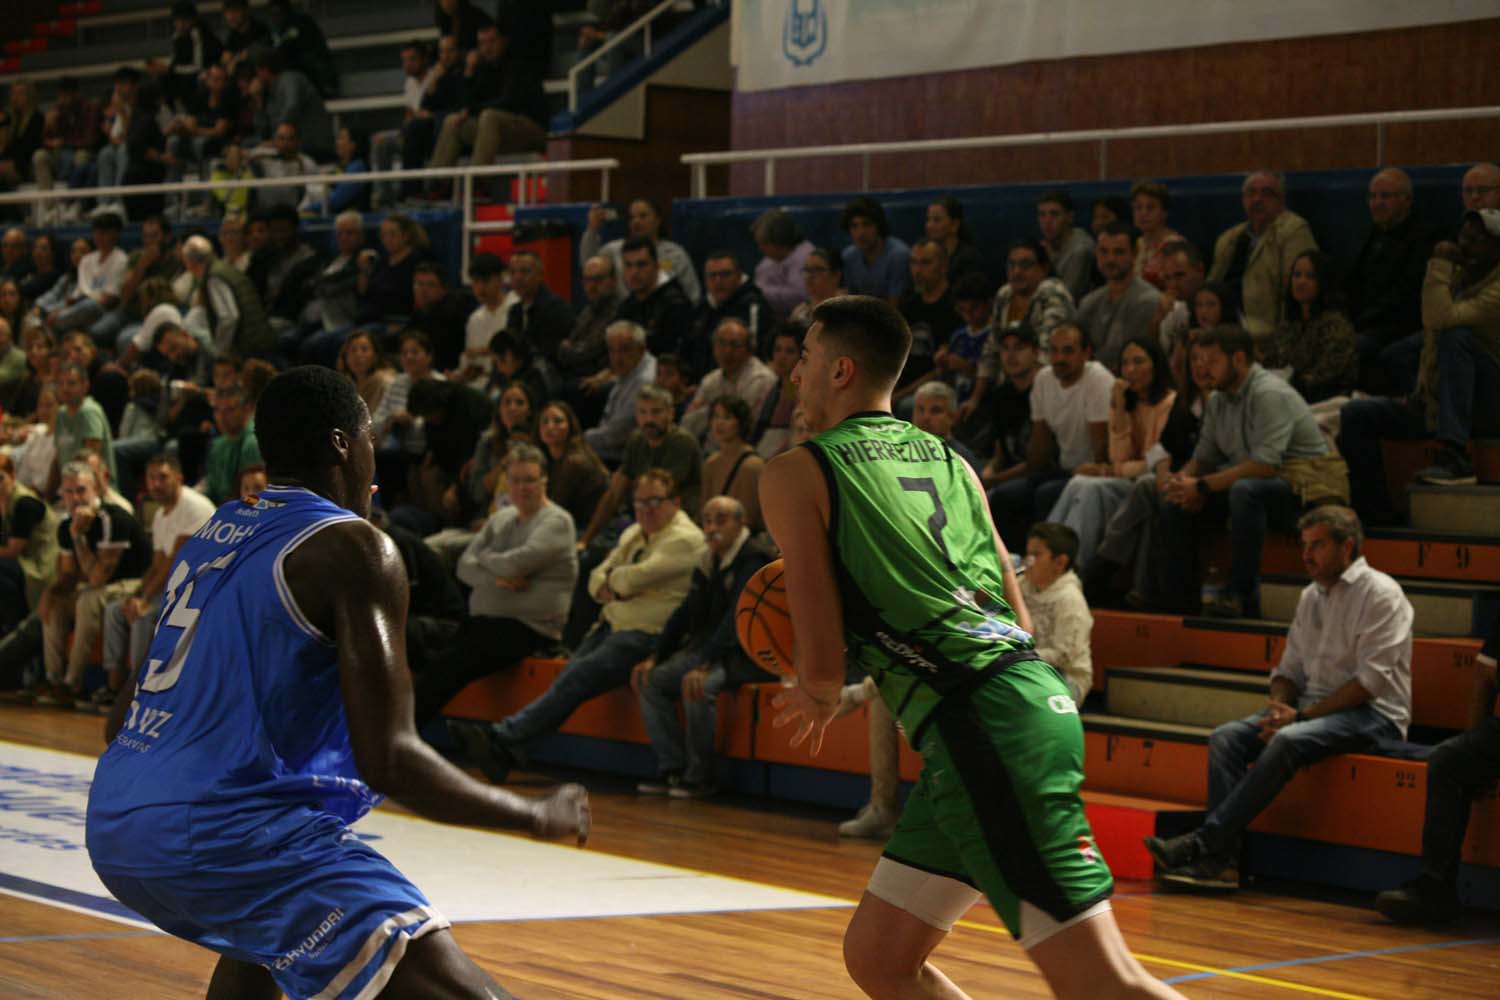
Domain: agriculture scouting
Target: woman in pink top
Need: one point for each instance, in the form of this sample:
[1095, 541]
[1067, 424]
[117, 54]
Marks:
[1138, 410]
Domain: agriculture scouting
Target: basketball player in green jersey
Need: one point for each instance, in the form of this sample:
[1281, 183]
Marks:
[890, 552]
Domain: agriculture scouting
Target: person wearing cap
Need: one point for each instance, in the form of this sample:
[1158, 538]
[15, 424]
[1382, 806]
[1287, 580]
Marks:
[1458, 380]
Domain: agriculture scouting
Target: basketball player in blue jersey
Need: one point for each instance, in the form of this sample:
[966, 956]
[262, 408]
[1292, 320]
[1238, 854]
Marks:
[274, 709]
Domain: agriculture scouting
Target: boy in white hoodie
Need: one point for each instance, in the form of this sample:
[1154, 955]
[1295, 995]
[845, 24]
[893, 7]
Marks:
[1059, 613]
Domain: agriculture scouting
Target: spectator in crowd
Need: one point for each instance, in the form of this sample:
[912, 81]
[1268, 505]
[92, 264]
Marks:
[1030, 297]
[1139, 406]
[945, 224]
[504, 110]
[930, 314]
[1071, 249]
[15, 262]
[1060, 616]
[582, 354]
[660, 306]
[453, 417]
[1343, 686]
[130, 620]
[299, 42]
[106, 380]
[235, 448]
[158, 307]
[41, 372]
[246, 32]
[194, 49]
[480, 487]
[1111, 208]
[28, 546]
[1384, 285]
[697, 657]
[101, 274]
[734, 468]
[1256, 255]
[656, 443]
[462, 20]
[351, 156]
[234, 246]
[783, 254]
[1480, 187]
[361, 360]
[740, 374]
[576, 479]
[771, 434]
[335, 293]
[1183, 272]
[823, 278]
[633, 368]
[400, 436]
[81, 421]
[956, 361]
[521, 569]
[288, 97]
[225, 313]
[284, 158]
[385, 284]
[12, 365]
[1261, 455]
[46, 270]
[120, 114]
[487, 274]
[21, 125]
[1215, 304]
[1314, 342]
[643, 219]
[385, 145]
[729, 295]
[1459, 769]
[157, 257]
[935, 410]
[66, 291]
[1458, 384]
[11, 310]
[875, 262]
[102, 554]
[538, 317]
[442, 92]
[209, 119]
[1069, 428]
[1008, 420]
[233, 202]
[1149, 203]
[440, 312]
[640, 583]
[1126, 306]
[70, 134]
[672, 376]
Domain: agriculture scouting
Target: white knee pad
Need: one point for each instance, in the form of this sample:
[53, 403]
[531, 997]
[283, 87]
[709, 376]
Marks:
[936, 900]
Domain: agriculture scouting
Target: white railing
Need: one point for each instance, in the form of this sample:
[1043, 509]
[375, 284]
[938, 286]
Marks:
[463, 195]
[639, 26]
[700, 162]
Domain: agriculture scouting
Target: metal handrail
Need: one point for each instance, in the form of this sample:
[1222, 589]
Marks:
[700, 162]
[640, 24]
[464, 194]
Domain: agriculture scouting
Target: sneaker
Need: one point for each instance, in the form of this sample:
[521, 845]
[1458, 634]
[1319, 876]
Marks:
[57, 696]
[484, 748]
[1423, 900]
[1174, 852]
[664, 784]
[871, 823]
[1215, 872]
[693, 790]
[1452, 468]
[99, 702]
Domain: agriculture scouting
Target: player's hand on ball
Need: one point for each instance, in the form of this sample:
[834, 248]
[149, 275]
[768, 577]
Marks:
[563, 813]
[812, 713]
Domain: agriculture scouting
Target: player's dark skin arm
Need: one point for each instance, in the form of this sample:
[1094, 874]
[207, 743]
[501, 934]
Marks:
[349, 581]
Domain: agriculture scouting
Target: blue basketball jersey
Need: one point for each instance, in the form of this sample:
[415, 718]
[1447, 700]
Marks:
[236, 741]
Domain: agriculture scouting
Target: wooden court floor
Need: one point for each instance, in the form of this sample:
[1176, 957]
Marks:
[1258, 943]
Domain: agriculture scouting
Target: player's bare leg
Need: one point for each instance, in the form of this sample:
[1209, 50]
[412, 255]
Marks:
[236, 980]
[435, 968]
[886, 951]
[1091, 960]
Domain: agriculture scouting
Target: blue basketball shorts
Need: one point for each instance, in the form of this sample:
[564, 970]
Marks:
[328, 916]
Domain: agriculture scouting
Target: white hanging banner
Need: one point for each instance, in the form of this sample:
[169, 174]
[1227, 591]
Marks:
[797, 43]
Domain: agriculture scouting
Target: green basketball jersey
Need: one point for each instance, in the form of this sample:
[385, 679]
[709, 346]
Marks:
[924, 606]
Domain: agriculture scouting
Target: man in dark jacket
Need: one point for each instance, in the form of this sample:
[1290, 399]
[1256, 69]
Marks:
[505, 107]
[661, 307]
[296, 36]
[540, 318]
[1384, 287]
[194, 49]
[698, 656]
[728, 294]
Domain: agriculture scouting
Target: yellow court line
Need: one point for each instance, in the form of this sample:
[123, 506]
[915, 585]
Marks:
[1194, 967]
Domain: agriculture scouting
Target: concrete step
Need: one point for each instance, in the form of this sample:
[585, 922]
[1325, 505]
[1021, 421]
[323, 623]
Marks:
[1441, 609]
[1470, 509]
[1183, 695]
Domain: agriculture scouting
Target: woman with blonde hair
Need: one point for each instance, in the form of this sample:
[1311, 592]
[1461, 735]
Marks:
[385, 280]
[576, 477]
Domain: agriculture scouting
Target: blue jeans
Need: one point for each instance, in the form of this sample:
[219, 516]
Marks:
[1468, 387]
[125, 645]
[1254, 504]
[602, 662]
[1238, 793]
[690, 754]
[83, 313]
[112, 160]
[1086, 505]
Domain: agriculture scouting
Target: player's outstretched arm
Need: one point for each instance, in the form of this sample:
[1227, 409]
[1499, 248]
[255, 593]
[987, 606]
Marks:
[349, 581]
[1012, 582]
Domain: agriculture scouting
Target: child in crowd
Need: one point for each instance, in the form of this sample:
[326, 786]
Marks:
[1060, 615]
[671, 377]
[975, 301]
[232, 201]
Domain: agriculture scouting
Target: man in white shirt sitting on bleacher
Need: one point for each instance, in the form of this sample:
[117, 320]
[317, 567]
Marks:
[1343, 686]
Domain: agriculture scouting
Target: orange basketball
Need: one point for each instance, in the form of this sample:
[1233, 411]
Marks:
[763, 622]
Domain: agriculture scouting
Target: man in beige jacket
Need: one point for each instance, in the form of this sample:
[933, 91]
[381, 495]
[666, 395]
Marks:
[1256, 256]
[640, 583]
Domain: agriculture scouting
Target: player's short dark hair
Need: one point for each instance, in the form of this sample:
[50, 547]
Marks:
[635, 243]
[1060, 539]
[297, 412]
[870, 331]
[1228, 338]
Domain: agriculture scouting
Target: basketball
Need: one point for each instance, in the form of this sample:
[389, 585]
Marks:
[763, 622]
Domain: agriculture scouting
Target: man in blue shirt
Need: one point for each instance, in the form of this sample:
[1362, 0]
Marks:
[875, 263]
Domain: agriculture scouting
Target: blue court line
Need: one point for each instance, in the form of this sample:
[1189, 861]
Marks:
[84, 900]
[27, 939]
[1337, 957]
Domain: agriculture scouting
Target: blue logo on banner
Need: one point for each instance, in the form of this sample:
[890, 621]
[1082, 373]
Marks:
[804, 36]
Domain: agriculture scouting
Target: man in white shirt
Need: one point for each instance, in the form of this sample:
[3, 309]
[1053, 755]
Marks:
[487, 279]
[101, 274]
[1069, 427]
[1343, 686]
[385, 144]
[740, 373]
[130, 622]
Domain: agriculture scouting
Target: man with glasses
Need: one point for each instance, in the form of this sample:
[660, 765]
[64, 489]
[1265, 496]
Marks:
[1481, 187]
[1257, 255]
[582, 355]
[1185, 272]
[740, 373]
[640, 583]
[729, 295]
